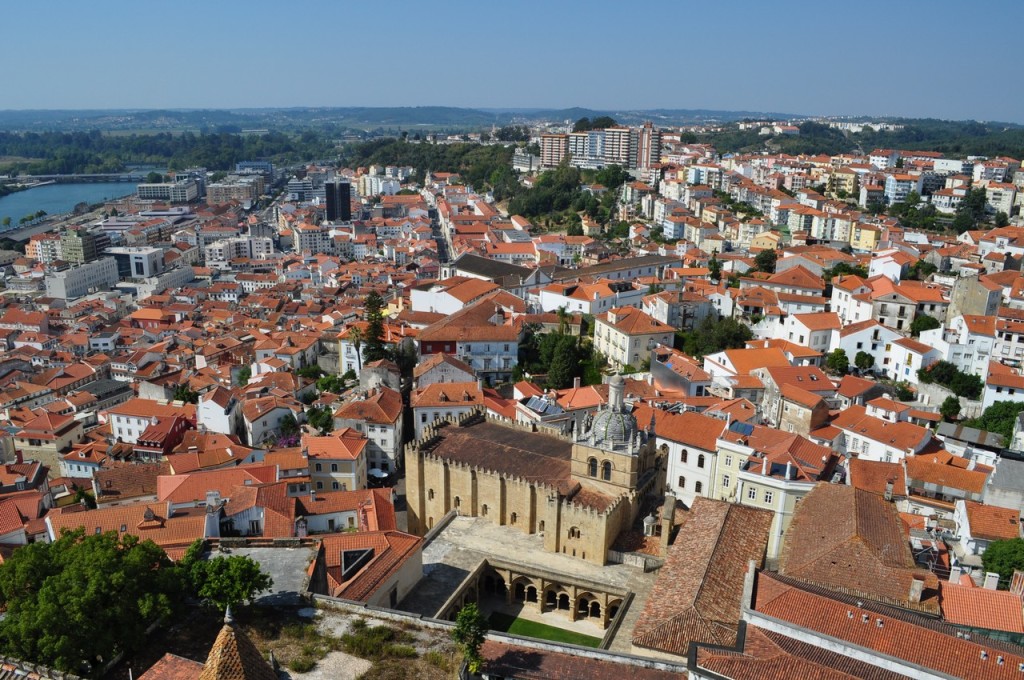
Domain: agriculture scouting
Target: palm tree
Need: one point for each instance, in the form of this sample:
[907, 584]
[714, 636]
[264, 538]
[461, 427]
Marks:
[355, 336]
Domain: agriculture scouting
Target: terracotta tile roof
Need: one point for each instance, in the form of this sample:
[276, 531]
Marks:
[390, 549]
[982, 608]
[148, 521]
[510, 661]
[485, 445]
[747, 360]
[121, 481]
[698, 594]
[235, 657]
[382, 406]
[345, 444]
[944, 469]
[173, 667]
[901, 435]
[433, 360]
[688, 428]
[631, 321]
[466, 394]
[909, 637]
[993, 523]
[869, 475]
[767, 655]
[852, 541]
[192, 487]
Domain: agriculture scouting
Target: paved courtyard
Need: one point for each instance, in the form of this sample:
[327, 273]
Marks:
[460, 547]
[287, 566]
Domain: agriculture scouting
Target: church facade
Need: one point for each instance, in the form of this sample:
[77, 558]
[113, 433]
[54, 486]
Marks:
[578, 492]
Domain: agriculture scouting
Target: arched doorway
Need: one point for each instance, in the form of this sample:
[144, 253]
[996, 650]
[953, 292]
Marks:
[531, 594]
[520, 592]
[613, 609]
[563, 601]
[595, 609]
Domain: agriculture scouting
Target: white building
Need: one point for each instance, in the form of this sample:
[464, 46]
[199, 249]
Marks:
[82, 280]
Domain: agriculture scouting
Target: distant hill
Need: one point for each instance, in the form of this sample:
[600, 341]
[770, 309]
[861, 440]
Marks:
[357, 117]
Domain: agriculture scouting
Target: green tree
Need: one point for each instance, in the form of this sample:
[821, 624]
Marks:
[565, 361]
[903, 391]
[355, 336]
[335, 384]
[375, 349]
[321, 418]
[1002, 219]
[950, 408]
[154, 178]
[715, 268]
[227, 581]
[313, 371]
[1003, 557]
[244, 374]
[765, 260]
[864, 360]
[288, 425]
[923, 322]
[713, 335]
[185, 394]
[469, 633]
[77, 602]
[999, 418]
[837, 361]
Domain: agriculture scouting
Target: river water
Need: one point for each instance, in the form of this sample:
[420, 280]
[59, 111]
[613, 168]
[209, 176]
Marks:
[59, 198]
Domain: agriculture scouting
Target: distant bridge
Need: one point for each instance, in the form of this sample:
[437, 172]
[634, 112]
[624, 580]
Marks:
[84, 179]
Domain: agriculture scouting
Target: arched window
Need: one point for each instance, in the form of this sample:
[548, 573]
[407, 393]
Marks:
[512, 518]
[574, 532]
[483, 510]
[682, 482]
[698, 487]
[458, 501]
[700, 460]
[540, 526]
[592, 467]
[682, 456]
[606, 470]
[430, 494]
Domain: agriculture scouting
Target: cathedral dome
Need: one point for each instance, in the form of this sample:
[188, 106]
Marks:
[612, 427]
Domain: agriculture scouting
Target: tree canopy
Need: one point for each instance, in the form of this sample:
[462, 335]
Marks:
[999, 418]
[1003, 557]
[837, 361]
[923, 322]
[469, 633]
[599, 123]
[373, 342]
[949, 376]
[77, 602]
[224, 581]
[765, 260]
[713, 335]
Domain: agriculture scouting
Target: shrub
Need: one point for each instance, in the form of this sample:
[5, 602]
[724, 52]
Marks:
[301, 664]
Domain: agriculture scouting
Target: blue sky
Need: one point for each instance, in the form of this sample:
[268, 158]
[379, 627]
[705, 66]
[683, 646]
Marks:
[936, 59]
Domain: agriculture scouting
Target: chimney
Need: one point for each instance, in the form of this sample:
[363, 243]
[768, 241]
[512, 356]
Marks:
[1017, 582]
[764, 465]
[789, 469]
[888, 490]
[480, 384]
[916, 588]
[576, 383]
[991, 580]
[954, 574]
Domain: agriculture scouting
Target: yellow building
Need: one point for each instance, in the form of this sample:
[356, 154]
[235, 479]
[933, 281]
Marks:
[579, 493]
[865, 237]
[769, 240]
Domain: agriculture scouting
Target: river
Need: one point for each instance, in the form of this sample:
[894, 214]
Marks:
[59, 198]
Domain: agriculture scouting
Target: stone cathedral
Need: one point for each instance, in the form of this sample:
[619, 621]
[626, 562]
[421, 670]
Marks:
[578, 492]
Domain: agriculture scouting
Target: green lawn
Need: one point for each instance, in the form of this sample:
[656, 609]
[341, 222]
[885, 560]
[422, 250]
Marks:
[504, 623]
